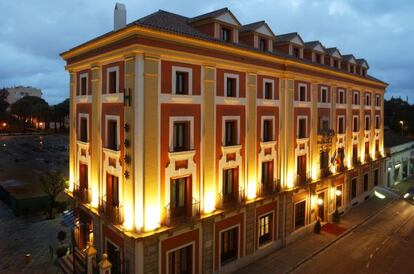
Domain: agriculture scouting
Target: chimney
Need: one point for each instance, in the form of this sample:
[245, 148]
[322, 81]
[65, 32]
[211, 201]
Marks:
[119, 16]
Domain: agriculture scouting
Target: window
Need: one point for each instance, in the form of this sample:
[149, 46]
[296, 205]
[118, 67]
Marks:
[376, 177]
[301, 169]
[231, 84]
[296, 52]
[267, 173]
[302, 128]
[365, 182]
[341, 96]
[367, 122]
[84, 84]
[324, 95]
[353, 188]
[324, 162]
[318, 58]
[267, 130]
[268, 90]
[367, 99]
[302, 93]
[112, 81]
[181, 261]
[181, 82]
[265, 229]
[336, 63]
[300, 209]
[355, 125]
[114, 256]
[229, 184]
[355, 153]
[181, 136]
[112, 135]
[338, 193]
[324, 124]
[367, 149]
[83, 129]
[230, 133]
[178, 196]
[262, 44]
[226, 34]
[377, 122]
[377, 100]
[341, 127]
[113, 186]
[356, 98]
[229, 243]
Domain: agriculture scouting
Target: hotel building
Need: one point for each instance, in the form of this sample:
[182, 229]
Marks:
[198, 144]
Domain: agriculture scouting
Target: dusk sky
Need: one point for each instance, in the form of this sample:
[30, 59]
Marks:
[33, 33]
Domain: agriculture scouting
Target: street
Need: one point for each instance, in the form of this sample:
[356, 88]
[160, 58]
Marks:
[384, 244]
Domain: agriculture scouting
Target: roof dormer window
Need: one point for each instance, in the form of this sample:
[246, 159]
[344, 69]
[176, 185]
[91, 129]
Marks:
[225, 34]
[296, 52]
[318, 58]
[262, 44]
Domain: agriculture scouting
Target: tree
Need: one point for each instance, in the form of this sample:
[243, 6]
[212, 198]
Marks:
[3, 103]
[29, 107]
[53, 183]
[61, 111]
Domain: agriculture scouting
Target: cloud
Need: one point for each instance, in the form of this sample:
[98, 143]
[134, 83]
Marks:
[33, 33]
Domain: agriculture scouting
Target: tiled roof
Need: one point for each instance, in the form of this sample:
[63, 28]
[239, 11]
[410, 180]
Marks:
[209, 15]
[361, 61]
[348, 57]
[313, 44]
[332, 50]
[181, 25]
[287, 37]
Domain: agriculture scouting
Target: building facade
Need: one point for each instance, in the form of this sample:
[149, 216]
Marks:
[199, 144]
[399, 164]
[16, 93]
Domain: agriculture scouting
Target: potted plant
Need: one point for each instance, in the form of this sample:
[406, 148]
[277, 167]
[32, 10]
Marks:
[336, 216]
[317, 228]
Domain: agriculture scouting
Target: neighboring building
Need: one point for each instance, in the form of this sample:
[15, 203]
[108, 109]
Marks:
[399, 164]
[199, 144]
[17, 93]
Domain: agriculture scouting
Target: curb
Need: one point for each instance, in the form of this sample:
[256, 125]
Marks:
[343, 235]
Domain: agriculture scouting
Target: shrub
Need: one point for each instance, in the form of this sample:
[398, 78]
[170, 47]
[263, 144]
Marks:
[61, 251]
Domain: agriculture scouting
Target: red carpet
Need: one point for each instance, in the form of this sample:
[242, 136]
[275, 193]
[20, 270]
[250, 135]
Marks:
[333, 229]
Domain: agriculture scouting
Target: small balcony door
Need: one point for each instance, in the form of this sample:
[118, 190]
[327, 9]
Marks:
[180, 197]
[267, 176]
[83, 176]
[321, 206]
[230, 184]
[301, 168]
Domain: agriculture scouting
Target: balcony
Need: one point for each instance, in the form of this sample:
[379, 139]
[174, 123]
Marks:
[356, 161]
[326, 172]
[325, 136]
[82, 194]
[112, 212]
[269, 189]
[232, 200]
[303, 179]
[174, 216]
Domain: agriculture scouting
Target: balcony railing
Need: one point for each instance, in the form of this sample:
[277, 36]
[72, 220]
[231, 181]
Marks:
[303, 179]
[326, 172]
[175, 216]
[111, 211]
[325, 136]
[83, 194]
[234, 199]
[269, 189]
[356, 161]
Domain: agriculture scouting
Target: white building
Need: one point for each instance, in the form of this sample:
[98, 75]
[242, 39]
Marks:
[400, 162]
[16, 93]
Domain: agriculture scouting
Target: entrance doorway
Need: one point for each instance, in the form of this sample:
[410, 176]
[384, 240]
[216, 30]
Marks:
[321, 206]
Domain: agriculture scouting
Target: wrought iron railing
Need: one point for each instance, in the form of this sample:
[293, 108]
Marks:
[234, 199]
[82, 193]
[303, 179]
[325, 136]
[112, 211]
[173, 215]
[269, 188]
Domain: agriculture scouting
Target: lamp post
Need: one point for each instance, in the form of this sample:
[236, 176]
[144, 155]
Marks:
[402, 127]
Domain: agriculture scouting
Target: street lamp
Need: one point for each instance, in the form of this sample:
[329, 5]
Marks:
[402, 127]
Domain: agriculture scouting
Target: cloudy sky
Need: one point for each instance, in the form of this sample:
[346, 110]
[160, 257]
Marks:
[33, 33]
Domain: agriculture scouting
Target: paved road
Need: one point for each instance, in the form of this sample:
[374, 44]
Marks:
[384, 244]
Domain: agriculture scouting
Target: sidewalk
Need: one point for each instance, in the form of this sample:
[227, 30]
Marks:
[403, 186]
[287, 259]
